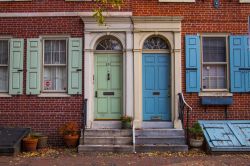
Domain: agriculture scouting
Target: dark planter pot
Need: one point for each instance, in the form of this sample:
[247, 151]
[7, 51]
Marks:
[30, 144]
[196, 143]
[71, 141]
[126, 125]
[42, 142]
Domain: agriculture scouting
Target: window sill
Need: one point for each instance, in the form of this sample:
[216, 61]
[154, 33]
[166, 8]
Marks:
[5, 95]
[54, 95]
[215, 94]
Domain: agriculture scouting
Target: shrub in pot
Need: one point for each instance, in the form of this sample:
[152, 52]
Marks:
[196, 136]
[70, 133]
[126, 122]
[30, 143]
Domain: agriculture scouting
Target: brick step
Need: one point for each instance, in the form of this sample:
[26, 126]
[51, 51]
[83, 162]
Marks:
[172, 140]
[161, 148]
[108, 140]
[159, 132]
[105, 148]
[108, 133]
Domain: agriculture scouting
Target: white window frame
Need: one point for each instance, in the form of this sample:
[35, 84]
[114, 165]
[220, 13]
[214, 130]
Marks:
[226, 63]
[43, 64]
[8, 65]
[244, 1]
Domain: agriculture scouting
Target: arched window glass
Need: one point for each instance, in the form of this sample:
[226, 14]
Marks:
[109, 44]
[155, 43]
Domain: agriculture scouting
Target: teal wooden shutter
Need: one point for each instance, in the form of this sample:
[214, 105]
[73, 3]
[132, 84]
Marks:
[237, 56]
[16, 66]
[33, 79]
[75, 66]
[192, 63]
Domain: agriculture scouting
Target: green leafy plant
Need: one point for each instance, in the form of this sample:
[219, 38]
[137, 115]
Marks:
[195, 131]
[70, 128]
[125, 119]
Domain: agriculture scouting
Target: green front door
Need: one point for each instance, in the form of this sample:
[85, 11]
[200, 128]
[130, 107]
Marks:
[108, 86]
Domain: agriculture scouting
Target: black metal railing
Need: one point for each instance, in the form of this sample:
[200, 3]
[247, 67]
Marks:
[182, 105]
[84, 115]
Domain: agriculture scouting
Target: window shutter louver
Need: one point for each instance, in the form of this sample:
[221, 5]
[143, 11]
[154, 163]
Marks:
[16, 66]
[75, 66]
[33, 81]
[192, 52]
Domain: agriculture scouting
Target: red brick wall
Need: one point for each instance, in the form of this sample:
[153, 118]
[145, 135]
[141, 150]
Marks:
[47, 114]
[44, 115]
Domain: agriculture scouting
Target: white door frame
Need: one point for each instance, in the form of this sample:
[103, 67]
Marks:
[120, 28]
[170, 29]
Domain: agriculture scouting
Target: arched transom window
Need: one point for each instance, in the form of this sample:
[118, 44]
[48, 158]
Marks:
[155, 43]
[109, 44]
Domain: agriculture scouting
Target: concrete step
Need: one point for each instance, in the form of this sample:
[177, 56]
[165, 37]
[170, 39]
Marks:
[159, 132]
[105, 148]
[108, 133]
[161, 148]
[180, 140]
[108, 141]
[157, 125]
[106, 125]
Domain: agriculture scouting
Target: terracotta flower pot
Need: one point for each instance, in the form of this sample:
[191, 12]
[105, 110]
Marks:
[30, 144]
[71, 140]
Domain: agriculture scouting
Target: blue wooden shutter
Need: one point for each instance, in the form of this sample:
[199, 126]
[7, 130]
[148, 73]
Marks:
[75, 66]
[237, 56]
[192, 63]
[247, 64]
[33, 83]
[16, 66]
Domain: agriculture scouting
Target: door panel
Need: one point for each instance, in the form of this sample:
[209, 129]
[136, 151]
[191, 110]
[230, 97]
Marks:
[108, 86]
[156, 87]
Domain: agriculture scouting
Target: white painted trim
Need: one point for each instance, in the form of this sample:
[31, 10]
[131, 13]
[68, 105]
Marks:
[215, 94]
[244, 1]
[93, 32]
[170, 29]
[64, 14]
[54, 95]
[5, 95]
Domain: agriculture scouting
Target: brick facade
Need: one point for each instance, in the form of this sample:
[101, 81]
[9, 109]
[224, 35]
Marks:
[47, 114]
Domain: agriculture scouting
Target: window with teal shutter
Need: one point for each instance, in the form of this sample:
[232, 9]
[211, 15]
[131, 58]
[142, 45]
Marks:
[192, 52]
[239, 63]
[33, 84]
[75, 66]
[16, 66]
[247, 61]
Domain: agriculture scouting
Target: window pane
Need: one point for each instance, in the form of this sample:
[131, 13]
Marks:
[214, 49]
[55, 52]
[4, 52]
[3, 79]
[55, 78]
[214, 77]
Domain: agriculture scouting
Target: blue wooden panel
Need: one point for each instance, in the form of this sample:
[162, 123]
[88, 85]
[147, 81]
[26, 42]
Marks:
[156, 87]
[237, 58]
[192, 52]
[215, 100]
[227, 135]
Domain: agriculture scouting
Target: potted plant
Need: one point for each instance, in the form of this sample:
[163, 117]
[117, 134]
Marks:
[195, 136]
[70, 133]
[126, 122]
[30, 143]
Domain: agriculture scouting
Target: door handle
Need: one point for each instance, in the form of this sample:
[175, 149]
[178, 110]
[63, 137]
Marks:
[108, 76]
[96, 94]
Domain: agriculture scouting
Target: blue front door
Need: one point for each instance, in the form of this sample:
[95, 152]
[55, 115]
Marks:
[156, 87]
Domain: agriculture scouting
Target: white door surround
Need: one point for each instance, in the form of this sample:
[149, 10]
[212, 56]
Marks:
[168, 28]
[121, 28]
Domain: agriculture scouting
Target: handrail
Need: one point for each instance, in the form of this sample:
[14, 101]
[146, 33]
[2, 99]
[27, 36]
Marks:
[133, 132]
[182, 104]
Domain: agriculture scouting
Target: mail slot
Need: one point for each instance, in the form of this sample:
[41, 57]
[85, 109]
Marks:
[108, 93]
[156, 93]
